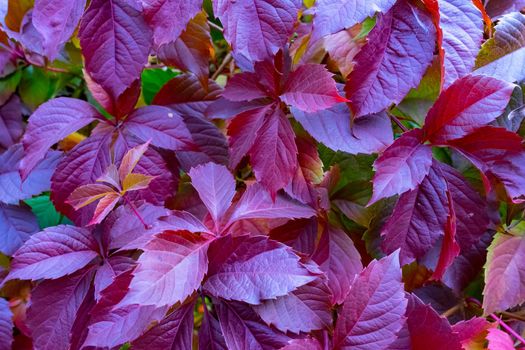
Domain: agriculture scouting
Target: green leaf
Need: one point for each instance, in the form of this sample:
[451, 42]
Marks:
[35, 87]
[45, 212]
[8, 86]
[153, 80]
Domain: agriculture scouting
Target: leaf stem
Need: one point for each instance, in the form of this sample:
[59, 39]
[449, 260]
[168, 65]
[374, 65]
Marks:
[451, 311]
[132, 206]
[215, 26]
[223, 65]
[507, 328]
[398, 122]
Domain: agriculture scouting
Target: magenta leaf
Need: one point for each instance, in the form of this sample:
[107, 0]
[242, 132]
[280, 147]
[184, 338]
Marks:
[216, 187]
[499, 340]
[17, 225]
[503, 267]
[168, 18]
[6, 325]
[333, 127]
[243, 329]
[310, 88]
[56, 20]
[332, 16]
[115, 42]
[303, 310]
[402, 166]
[427, 329]
[252, 269]
[339, 260]
[469, 103]
[11, 122]
[12, 187]
[210, 333]
[171, 268]
[50, 123]
[162, 126]
[54, 307]
[109, 270]
[403, 39]
[374, 309]
[256, 203]
[303, 344]
[257, 29]
[174, 332]
[54, 252]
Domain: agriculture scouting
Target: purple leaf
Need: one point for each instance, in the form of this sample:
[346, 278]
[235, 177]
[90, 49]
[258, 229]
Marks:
[54, 252]
[256, 203]
[467, 104]
[162, 126]
[243, 329]
[56, 20]
[501, 54]
[332, 16]
[11, 122]
[50, 123]
[303, 344]
[175, 332]
[300, 234]
[333, 127]
[168, 18]
[12, 188]
[245, 86]
[210, 334]
[6, 325]
[54, 307]
[310, 88]
[339, 260]
[418, 220]
[216, 188]
[168, 259]
[115, 42]
[251, 269]
[399, 50]
[374, 309]
[303, 310]
[257, 29]
[109, 270]
[402, 166]
[504, 268]
[17, 224]
[497, 8]
[460, 33]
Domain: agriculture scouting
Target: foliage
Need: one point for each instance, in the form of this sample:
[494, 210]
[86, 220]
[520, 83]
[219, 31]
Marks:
[262, 174]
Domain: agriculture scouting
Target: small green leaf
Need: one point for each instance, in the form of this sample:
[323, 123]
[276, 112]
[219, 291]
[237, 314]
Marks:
[153, 80]
[45, 212]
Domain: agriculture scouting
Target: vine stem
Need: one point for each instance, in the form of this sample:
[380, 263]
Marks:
[223, 65]
[215, 26]
[451, 311]
[132, 206]
[398, 122]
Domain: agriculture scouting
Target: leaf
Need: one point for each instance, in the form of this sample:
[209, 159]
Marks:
[104, 206]
[500, 55]
[50, 123]
[374, 309]
[251, 269]
[499, 8]
[499, 340]
[472, 332]
[87, 194]
[427, 329]
[256, 203]
[108, 271]
[174, 332]
[274, 153]
[135, 182]
[13, 188]
[402, 166]
[303, 344]
[6, 326]
[131, 159]
[257, 29]
[192, 51]
[216, 188]
[53, 253]
[115, 42]
[310, 88]
[210, 334]
[332, 16]
[17, 224]
[153, 80]
[419, 219]
[303, 310]
[168, 18]
[168, 259]
[460, 33]
[56, 20]
[504, 268]
[54, 306]
[11, 122]
[334, 128]
[243, 329]
[45, 212]
[469, 103]
[399, 50]
[161, 126]
[339, 260]
[343, 46]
